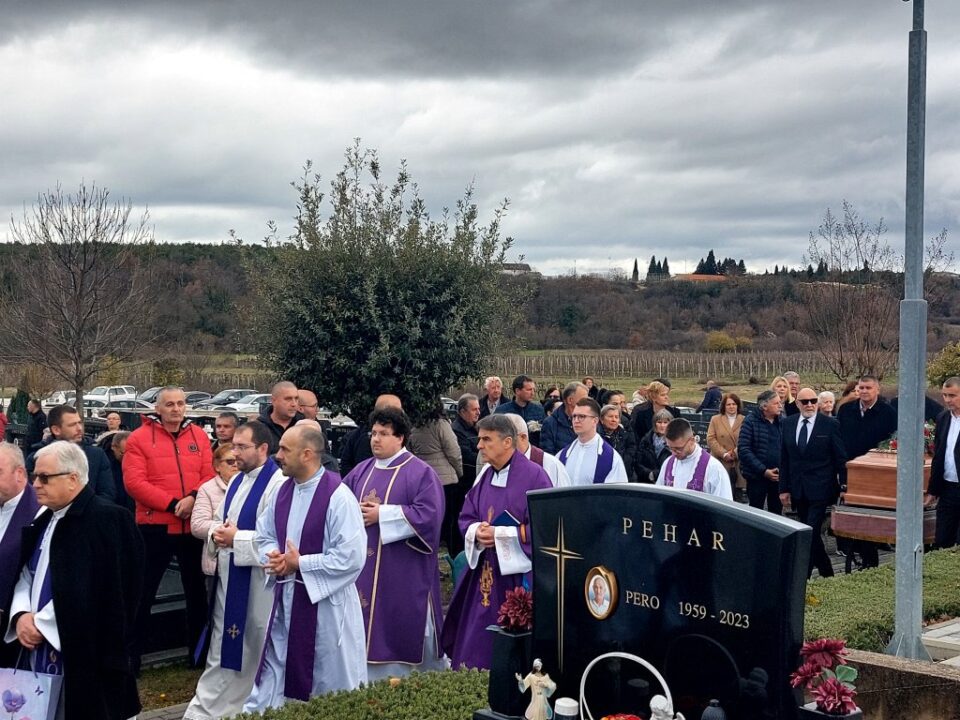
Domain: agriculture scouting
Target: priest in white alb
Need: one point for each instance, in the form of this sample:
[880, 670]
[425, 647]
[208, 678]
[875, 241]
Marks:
[242, 601]
[313, 543]
[590, 460]
[689, 466]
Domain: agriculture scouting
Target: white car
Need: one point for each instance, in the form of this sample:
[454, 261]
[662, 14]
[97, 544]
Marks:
[108, 393]
[250, 403]
[60, 397]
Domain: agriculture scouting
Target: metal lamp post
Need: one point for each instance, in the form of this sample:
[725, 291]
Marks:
[913, 354]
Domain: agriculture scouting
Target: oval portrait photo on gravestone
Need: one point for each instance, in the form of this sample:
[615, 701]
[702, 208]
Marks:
[600, 591]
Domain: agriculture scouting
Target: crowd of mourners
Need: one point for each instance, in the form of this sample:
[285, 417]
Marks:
[306, 571]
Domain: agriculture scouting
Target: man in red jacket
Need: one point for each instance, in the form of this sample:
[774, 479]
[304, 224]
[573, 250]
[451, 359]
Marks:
[166, 461]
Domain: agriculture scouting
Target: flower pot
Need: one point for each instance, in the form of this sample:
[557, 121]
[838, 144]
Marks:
[810, 712]
[511, 655]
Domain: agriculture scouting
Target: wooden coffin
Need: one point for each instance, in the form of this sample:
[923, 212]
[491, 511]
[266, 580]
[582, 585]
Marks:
[872, 479]
[874, 524]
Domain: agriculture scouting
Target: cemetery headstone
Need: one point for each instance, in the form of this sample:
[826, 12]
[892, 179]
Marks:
[709, 592]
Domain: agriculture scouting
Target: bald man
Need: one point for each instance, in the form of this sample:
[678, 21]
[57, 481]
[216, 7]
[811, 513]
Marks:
[355, 447]
[282, 413]
[308, 404]
[313, 545]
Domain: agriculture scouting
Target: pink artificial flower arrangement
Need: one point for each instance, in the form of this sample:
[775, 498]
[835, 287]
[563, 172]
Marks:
[825, 674]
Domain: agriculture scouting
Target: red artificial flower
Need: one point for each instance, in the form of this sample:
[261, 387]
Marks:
[516, 612]
[825, 652]
[805, 674]
[834, 697]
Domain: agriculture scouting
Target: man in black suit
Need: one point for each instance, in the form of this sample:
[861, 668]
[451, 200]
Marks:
[944, 488]
[813, 470]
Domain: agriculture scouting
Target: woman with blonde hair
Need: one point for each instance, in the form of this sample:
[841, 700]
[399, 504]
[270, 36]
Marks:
[658, 398]
[781, 386]
[722, 436]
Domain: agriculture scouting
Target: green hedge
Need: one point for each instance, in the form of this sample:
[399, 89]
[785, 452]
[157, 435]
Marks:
[422, 696]
[860, 607]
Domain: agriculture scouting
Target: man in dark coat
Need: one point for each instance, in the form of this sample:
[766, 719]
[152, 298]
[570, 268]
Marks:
[92, 554]
[864, 425]
[465, 428]
[282, 413]
[813, 468]
[36, 424]
[944, 488]
[711, 397]
[66, 424]
[492, 396]
[759, 450]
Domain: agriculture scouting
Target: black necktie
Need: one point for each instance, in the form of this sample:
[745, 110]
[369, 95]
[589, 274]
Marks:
[802, 440]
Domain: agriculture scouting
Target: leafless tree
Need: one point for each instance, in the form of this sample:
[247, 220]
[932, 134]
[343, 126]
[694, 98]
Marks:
[84, 301]
[853, 313]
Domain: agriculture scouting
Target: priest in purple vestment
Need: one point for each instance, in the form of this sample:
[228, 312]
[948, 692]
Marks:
[18, 507]
[495, 522]
[402, 503]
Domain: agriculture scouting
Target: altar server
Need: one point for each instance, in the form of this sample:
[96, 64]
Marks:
[689, 466]
[402, 503]
[590, 460]
[496, 527]
[313, 544]
[242, 600]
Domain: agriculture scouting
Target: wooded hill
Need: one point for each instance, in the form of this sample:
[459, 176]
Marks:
[205, 305]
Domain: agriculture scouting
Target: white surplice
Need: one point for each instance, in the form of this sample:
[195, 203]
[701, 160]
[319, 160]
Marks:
[221, 692]
[340, 661]
[582, 463]
[716, 482]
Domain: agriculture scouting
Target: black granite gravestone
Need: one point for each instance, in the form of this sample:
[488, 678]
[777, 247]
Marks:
[710, 592]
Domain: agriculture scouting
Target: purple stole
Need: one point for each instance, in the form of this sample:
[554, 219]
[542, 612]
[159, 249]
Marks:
[536, 455]
[699, 472]
[238, 584]
[302, 638]
[604, 462]
[10, 545]
[46, 659]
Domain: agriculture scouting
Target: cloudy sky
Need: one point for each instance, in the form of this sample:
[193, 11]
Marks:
[617, 129]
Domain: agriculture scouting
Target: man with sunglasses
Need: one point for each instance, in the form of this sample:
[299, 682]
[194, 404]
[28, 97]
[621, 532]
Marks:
[79, 586]
[812, 470]
[689, 466]
[590, 460]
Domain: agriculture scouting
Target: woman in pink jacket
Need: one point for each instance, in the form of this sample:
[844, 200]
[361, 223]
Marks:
[209, 497]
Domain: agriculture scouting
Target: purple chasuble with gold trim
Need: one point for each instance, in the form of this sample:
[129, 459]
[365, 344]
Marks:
[402, 578]
[481, 591]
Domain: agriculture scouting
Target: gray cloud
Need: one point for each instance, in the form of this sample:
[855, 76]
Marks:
[617, 129]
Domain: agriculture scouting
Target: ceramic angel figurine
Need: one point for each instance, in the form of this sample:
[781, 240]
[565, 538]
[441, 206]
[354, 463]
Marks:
[541, 688]
[662, 709]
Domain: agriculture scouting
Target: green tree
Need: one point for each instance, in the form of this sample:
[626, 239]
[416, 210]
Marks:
[652, 270]
[946, 364]
[571, 318]
[710, 264]
[666, 268]
[380, 297]
[636, 271]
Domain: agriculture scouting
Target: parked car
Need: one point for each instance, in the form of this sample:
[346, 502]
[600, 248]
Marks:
[60, 397]
[196, 396]
[150, 395]
[125, 405]
[109, 393]
[224, 398]
[250, 403]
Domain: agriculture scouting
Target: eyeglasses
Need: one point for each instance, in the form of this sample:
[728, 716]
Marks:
[581, 417]
[229, 461]
[807, 401]
[44, 478]
[680, 447]
[242, 448]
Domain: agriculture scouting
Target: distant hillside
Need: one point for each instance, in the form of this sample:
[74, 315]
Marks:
[206, 288]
